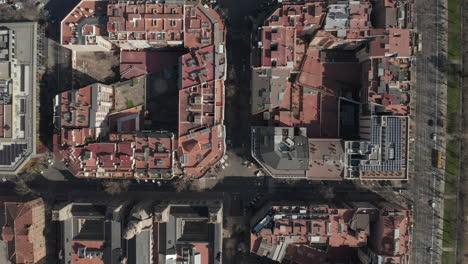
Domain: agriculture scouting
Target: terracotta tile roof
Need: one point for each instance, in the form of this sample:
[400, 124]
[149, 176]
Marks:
[201, 150]
[278, 46]
[198, 67]
[77, 136]
[138, 63]
[119, 149]
[329, 226]
[83, 21]
[311, 74]
[316, 111]
[390, 41]
[203, 250]
[124, 156]
[392, 232]
[359, 15]
[129, 120]
[304, 254]
[298, 16]
[86, 107]
[162, 24]
[197, 107]
[88, 245]
[388, 83]
[23, 229]
[76, 107]
[337, 232]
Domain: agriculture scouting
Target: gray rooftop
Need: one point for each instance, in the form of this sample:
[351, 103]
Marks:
[283, 149]
[384, 151]
[337, 17]
[25, 36]
[389, 139]
[139, 248]
[187, 224]
[19, 142]
[268, 87]
[391, 16]
[91, 222]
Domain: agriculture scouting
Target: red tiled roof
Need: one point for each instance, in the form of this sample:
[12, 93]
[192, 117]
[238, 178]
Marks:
[23, 230]
[85, 9]
[201, 151]
[76, 137]
[316, 111]
[359, 15]
[120, 157]
[137, 63]
[330, 228]
[91, 245]
[399, 42]
[129, 120]
[278, 46]
[196, 107]
[384, 84]
[198, 67]
[203, 250]
[304, 15]
[201, 97]
[390, 41]
[142, 21]
[311, 74]
[79, 111]
[391, 224]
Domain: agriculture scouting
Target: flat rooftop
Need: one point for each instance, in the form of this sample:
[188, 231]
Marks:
[326, 159]
[382, 151]
[282, 151]
[18, 77]
[269, 86]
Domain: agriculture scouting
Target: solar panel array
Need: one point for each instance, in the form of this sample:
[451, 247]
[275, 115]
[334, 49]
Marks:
[391, 142]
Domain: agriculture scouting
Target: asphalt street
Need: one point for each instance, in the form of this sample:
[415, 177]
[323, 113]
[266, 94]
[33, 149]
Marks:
[58, 74]
[237, 113]
[426, 183]
[239, 191]
[462, 243]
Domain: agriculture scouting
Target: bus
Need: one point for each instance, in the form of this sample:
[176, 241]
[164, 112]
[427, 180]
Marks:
[437, 159]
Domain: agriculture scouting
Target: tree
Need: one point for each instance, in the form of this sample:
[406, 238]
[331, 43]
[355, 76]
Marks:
[23, 183]
[22, 189]
[113, 187]
[328, 193]
[182, 185]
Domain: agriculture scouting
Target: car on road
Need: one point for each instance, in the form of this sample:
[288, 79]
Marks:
[18, 6]
[259, 173]
[432, 203]
[39, 5]
[434, 136]
[400, 190]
